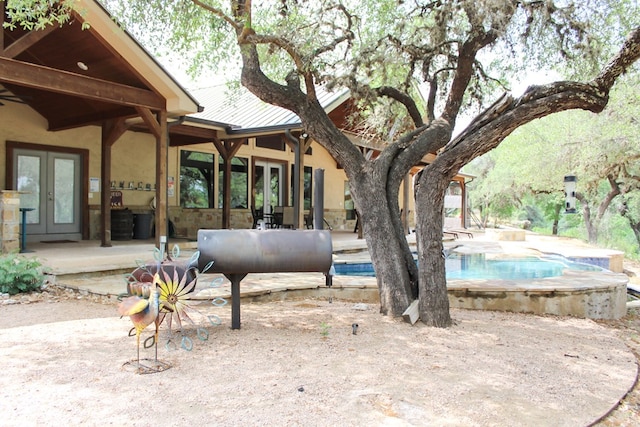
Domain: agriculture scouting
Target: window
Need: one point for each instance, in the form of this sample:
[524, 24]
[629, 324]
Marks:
[348, 202]
[308, 173]
[196, 179]
[239, 183]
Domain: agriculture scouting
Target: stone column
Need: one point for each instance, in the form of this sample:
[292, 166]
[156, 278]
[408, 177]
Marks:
[9, 221]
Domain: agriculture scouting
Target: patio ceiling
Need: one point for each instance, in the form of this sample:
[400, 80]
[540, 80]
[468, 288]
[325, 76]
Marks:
[75, 77]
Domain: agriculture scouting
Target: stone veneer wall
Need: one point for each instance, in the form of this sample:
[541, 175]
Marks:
[9, 221]
[187, 222]
[337, 218]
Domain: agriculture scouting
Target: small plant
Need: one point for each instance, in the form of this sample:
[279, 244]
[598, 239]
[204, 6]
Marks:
[324, 329]
[19, 274]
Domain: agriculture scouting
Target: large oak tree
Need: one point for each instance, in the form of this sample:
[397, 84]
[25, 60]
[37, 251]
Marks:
[380, 49]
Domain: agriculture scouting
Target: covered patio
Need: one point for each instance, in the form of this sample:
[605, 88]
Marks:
[81, 78]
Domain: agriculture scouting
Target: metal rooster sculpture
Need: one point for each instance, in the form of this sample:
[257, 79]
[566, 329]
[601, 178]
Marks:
[163, 289]
[143, 307]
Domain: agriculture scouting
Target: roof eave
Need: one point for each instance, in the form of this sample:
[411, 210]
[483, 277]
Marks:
[179, 100]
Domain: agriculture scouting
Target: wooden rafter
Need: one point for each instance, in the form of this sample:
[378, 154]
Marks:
[24, 42]
[49, 79]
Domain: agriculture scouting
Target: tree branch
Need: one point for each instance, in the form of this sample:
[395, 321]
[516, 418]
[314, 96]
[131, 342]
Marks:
[464, 72]
[618, 65]
[615, 191]
[219, 13]
[405, 100]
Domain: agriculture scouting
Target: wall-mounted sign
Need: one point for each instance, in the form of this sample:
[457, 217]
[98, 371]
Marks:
[116, 199]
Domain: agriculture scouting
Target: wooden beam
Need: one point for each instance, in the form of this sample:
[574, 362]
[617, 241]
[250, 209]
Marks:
[3, 16]
[112, 130]
[58, 81]
[26, 41]
[199, 132]
[151, 121]
[181, 135]
[91, 118]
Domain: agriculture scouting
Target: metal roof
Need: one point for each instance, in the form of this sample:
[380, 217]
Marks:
[244, 111]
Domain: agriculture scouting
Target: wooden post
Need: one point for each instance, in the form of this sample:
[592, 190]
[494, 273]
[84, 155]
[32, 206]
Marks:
[111, 131]
[162, 225]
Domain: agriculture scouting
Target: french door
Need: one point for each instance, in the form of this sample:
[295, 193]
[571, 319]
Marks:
[51, 182]
[269, 185]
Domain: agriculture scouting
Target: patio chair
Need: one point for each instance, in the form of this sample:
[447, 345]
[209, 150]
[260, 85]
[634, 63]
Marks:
[456, 232]
[287, 217]
[308, 218]
[278, 213]
[257, 214]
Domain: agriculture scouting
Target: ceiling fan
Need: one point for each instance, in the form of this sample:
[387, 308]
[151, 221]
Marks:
[6, 95]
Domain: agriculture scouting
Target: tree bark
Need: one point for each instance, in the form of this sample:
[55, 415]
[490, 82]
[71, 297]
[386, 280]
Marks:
[556, 219]
[434, 299]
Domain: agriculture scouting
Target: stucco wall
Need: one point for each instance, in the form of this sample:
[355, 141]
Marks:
[133, 161]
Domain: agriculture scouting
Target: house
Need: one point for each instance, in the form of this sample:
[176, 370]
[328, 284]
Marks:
[95, 135]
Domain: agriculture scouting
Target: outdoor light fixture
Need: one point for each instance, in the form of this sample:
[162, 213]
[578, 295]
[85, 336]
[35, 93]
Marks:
[570, 193]
[82, 66]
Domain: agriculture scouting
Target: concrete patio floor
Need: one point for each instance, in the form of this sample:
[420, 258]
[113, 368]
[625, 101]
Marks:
[88, 267]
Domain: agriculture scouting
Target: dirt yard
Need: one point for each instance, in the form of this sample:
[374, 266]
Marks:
[299, 363]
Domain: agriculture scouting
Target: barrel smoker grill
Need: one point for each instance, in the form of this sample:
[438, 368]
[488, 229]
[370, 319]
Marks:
[236, 253]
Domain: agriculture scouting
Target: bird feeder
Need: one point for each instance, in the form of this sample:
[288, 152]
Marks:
[570, 182]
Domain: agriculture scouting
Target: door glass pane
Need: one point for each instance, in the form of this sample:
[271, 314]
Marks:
[308, 172]
[348, 202]
[29, 182]
[63, 191]
[259, 187]
[275, 185]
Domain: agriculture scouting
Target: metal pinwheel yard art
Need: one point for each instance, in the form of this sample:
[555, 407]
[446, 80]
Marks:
[173, 283]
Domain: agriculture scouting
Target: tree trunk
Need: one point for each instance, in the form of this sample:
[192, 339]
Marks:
[556, 219]
[389, 253]
[434, 299]
[592, 230]
[635, 225]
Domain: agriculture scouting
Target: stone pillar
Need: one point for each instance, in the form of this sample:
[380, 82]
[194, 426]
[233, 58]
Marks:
[9, 221]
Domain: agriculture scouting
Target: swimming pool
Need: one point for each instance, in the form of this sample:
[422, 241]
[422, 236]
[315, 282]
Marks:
[478, 266]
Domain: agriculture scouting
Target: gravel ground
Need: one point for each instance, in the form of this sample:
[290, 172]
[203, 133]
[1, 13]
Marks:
[299, 363]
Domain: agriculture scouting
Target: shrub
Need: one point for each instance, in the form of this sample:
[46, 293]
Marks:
[20, 274]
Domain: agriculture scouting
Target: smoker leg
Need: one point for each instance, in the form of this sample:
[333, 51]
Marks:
[235, 298]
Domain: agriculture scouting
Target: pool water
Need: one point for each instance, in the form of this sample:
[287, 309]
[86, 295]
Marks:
[477, 266]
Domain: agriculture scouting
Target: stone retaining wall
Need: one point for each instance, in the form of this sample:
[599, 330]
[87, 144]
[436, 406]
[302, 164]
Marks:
[9, 221]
